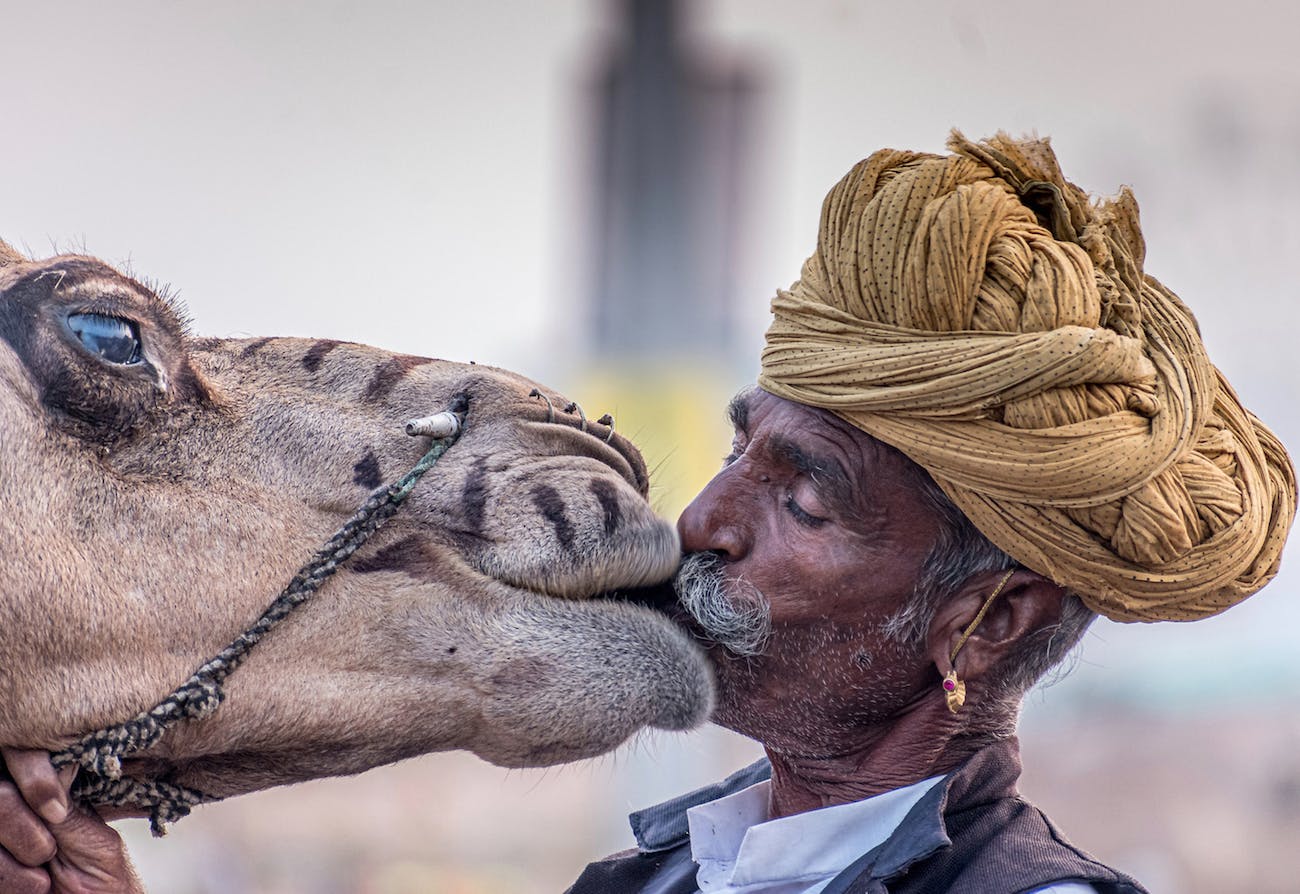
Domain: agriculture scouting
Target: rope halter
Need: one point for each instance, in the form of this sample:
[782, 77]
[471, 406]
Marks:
[99, 754]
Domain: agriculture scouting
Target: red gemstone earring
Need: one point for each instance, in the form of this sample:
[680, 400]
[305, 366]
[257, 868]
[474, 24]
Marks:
[954, 691]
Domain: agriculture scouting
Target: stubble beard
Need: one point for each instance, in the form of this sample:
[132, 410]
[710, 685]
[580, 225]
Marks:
[734, 618]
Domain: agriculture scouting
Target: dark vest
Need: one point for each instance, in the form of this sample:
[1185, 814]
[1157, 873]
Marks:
[970, 834]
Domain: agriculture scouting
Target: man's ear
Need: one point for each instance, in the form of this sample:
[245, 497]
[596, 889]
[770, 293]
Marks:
[1028, 602]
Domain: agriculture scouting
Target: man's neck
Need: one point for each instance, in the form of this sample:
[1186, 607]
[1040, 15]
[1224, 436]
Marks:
[883, 758]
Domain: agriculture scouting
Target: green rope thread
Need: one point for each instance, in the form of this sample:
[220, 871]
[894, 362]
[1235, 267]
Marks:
[99, 754]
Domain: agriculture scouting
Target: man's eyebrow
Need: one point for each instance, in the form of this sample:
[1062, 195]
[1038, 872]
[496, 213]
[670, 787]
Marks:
[826, 473]
[738, 410]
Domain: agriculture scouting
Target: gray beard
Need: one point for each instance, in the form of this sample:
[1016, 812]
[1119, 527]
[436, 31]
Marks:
[732, 613]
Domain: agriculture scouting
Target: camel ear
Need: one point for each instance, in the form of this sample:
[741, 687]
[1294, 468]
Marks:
[8, 255]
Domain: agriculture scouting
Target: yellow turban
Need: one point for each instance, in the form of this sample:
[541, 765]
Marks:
[979, 313]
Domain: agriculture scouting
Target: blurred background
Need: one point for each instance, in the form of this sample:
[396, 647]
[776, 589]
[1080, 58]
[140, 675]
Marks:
[605, 194]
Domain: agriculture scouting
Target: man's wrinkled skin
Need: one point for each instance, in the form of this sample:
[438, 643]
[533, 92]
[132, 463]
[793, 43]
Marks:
[830, 527]
[51, 844]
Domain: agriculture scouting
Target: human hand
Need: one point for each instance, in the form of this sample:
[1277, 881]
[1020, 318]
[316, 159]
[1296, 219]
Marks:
[49, 845]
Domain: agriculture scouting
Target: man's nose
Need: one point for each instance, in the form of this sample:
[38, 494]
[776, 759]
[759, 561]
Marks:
[713, 522]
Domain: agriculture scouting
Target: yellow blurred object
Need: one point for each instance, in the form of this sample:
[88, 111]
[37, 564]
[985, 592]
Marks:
[678, 419]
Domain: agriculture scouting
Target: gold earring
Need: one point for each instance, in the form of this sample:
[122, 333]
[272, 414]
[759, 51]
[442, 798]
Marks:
[954, 691]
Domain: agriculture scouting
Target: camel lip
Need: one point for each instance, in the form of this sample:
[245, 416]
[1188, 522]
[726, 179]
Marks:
[661, 598]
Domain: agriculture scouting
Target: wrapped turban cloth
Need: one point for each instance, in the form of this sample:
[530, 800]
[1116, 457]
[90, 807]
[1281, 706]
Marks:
[979, 313]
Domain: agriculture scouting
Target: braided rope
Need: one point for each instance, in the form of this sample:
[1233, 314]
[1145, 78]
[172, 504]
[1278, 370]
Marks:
[99, 754]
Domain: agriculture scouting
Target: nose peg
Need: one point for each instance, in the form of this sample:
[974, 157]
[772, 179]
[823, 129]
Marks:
[439, 426]
[550, 407]
[608, 421]
[574, 406]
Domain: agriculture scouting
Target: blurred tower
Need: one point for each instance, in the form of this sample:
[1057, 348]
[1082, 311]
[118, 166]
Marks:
[673, 127]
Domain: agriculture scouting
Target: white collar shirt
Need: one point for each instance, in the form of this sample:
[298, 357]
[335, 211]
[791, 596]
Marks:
[740, 851]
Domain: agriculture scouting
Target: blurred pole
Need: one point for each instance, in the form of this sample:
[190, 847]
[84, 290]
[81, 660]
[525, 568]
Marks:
[673, 126]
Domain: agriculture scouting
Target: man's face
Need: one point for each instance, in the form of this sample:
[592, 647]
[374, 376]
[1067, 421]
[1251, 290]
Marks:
[828, 525]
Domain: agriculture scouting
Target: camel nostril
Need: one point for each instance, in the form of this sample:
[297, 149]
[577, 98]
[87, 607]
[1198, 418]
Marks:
[625, 448]
[574, 406]
[550, 407]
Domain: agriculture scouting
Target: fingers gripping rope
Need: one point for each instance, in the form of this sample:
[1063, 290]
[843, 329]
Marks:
[99, 754]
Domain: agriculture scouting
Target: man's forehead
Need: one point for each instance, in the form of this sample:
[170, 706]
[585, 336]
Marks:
[738, 407]
[752, 403]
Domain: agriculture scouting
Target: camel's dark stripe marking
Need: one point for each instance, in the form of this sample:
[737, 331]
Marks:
[367, 472]
[608, 499]
[311, 361]
[390, 373]
[551, 504]
[254, 346]
[474, 497]
[408, 554]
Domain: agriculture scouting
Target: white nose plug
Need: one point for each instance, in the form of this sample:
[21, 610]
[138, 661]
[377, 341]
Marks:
[440, 425]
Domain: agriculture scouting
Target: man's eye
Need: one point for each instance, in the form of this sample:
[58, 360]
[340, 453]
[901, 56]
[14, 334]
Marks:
[804, 502]
[110, 338]
[801, 515]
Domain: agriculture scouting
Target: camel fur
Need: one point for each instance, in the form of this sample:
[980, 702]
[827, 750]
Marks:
[152, 509]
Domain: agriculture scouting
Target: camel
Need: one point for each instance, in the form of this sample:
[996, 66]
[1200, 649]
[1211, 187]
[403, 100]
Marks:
[160, 489]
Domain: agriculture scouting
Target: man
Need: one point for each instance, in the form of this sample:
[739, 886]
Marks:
[976, 318]
[978, 425]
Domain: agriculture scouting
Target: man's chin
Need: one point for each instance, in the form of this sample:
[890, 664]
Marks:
[733, 711]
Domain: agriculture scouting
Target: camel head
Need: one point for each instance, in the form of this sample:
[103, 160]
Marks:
[160, 489]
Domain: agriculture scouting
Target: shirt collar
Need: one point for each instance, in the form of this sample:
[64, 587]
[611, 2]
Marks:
[664, 826]
[990, 774]
[736, 845]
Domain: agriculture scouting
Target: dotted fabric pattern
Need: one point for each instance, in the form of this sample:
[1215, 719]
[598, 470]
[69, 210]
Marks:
[983, 315]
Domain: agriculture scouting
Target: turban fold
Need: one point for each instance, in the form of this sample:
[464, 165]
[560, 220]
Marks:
[979, 313]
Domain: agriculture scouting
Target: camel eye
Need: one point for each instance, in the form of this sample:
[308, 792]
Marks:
[110, 338]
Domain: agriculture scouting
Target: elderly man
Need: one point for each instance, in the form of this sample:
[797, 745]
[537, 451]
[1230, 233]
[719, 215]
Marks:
[978, 425]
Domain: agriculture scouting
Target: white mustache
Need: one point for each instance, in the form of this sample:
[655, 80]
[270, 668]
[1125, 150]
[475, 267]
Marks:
[733, 613]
